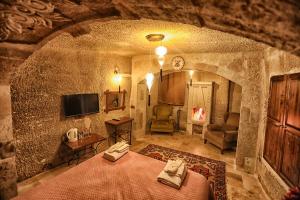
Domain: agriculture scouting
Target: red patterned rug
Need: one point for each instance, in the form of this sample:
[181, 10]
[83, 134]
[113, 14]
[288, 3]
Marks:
[213, 170]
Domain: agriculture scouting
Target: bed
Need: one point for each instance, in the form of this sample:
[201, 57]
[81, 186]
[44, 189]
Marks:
[132, 177]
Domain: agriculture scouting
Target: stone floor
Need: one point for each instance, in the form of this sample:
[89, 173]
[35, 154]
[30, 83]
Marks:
[240, 185]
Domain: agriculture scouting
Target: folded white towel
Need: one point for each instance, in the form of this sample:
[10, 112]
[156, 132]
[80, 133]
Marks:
[122, 148]
[116, 146]
[113, 156]
[173, 181]
[172, 166]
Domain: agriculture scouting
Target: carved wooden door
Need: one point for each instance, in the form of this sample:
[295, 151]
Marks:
[282, 139]
[290, 168]
[274, 131]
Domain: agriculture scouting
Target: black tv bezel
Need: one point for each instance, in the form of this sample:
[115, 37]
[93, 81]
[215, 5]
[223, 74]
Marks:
[83, 114]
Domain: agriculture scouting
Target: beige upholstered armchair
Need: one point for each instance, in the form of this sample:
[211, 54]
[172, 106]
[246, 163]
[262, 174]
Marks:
[161, 120]
[224, 136]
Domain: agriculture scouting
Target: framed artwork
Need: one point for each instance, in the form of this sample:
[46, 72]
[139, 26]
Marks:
[115, 100]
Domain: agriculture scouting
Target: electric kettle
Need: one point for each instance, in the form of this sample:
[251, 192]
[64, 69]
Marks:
[72, 135]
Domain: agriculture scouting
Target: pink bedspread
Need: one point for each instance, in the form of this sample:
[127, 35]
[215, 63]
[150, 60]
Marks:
[131, 177]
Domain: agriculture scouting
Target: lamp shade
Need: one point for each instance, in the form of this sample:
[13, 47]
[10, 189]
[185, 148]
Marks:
[149, 80]
[117, 79]
[161, 50]
[161, 60]
[191, 72]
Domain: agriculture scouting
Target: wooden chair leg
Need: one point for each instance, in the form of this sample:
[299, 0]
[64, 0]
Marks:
[205, 141]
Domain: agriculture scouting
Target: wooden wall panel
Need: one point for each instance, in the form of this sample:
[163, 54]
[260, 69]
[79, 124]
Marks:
[291, 157]
[277, 97]
[172, 89]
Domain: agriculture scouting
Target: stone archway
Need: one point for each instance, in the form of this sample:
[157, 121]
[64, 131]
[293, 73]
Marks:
[241, 68]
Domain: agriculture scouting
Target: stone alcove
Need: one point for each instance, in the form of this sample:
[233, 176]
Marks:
[237, 67]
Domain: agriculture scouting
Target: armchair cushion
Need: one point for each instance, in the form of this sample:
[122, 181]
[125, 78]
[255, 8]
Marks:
[163, 112]
[162, 125]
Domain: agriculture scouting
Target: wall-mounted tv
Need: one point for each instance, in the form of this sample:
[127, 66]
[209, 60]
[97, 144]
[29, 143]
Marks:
[80, 104]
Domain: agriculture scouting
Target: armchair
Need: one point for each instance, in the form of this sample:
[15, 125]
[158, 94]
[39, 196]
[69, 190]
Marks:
[161, 120]
[224, 136]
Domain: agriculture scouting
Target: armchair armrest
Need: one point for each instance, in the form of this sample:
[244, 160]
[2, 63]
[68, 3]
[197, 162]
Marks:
[214, 127]
[230, 136]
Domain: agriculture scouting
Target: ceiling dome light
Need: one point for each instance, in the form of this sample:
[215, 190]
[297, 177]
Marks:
[161, 50]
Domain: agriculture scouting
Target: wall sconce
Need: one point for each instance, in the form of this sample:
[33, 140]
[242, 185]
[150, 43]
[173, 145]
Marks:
[117, 78]
[191, 72]
[149, 82]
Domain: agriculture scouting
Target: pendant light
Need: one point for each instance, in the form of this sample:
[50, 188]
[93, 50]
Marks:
[160, 51]
[149, 82]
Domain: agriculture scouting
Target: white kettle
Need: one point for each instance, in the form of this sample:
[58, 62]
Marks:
[72, 135]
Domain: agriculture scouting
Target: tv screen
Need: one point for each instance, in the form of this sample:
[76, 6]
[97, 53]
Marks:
[80, 104]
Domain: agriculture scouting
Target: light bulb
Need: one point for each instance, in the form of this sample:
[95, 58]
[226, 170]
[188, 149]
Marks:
[161, 51]
[117, 78]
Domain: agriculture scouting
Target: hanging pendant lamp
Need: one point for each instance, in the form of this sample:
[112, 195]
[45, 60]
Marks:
[160, 51]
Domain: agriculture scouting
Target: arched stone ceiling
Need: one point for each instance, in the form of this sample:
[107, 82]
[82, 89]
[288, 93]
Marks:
[127, 37]
[273, 22]
[26, 25]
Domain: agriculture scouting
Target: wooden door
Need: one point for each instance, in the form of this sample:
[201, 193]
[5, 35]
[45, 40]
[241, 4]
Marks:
[273, 138]
[290, 168]
[274, 130]
[277, 98]
[291, 157]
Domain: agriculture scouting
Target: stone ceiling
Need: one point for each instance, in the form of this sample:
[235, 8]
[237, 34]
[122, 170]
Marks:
[273, 22]
[27, 25]
[127, 37]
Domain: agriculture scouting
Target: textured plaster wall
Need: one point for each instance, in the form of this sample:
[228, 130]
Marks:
[220, 101]
[37, 105]
[275, 62]
[8, 174]
[243, 68]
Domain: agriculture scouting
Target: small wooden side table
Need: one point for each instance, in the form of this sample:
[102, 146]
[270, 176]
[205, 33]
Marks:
[197, 128]
[83, 144]
[117, 123]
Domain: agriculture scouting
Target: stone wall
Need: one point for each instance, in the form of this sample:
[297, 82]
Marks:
[8, 176]
[275, 62]
[37, 89]
[220, 101]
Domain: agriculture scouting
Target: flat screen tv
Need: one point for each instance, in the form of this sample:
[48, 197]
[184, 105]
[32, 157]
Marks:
[80, 104]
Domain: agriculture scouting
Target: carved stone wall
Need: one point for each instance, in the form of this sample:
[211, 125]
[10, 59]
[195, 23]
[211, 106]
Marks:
[36, 100]
[8, 176]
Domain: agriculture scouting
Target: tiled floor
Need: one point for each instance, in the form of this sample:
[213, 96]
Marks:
[240, 185]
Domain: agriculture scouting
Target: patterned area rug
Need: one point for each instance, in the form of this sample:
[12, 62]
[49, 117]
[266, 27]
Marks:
[213, 170]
